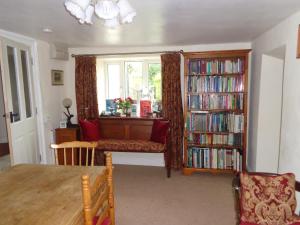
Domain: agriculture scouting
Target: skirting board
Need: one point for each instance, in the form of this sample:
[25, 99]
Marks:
[140, 159]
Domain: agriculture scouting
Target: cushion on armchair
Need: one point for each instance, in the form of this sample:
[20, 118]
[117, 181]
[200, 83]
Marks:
[268, 200]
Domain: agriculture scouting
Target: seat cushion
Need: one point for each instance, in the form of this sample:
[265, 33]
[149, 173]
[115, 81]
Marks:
[130, 145]
[245, 223]
[90, 130]
[159, 131]
[268, 200]
[106, 221]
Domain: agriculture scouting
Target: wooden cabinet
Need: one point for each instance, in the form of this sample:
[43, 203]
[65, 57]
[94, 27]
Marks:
[65, 135]
[215, 111]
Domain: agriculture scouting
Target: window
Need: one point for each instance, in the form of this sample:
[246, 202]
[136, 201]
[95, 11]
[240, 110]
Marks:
[138, 78]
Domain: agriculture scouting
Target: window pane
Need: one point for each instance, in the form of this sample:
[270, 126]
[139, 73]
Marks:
[113, 81]
[154, 77]
[26, 83]
[13, 82]
[134, 74]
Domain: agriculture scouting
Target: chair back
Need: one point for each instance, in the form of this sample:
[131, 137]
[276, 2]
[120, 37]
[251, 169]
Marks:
[79, 152]
[98, 203]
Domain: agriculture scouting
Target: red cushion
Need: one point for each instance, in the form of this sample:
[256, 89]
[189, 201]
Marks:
[159, 131]
[90, 130]
[106, 221]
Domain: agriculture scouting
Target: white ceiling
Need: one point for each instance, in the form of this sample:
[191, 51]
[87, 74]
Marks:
[158, 22]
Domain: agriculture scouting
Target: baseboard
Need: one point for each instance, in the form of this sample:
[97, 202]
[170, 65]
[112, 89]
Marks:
[141, 159]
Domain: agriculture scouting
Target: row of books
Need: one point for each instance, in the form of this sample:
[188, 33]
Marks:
[215, 101]
[215, 122]
[216, 66]
[230, 139]
[214, 158]
[215, 84]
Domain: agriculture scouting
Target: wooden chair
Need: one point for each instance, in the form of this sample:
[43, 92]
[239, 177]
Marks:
[237, 190]
[98, 200]
[70, 150]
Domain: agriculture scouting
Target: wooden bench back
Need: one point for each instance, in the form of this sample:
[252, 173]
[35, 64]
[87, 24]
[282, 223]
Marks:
[126, 128]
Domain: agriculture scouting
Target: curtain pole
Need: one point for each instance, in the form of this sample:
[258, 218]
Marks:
[128, 53]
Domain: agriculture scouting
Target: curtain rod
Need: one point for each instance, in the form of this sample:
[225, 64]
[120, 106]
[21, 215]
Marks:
[127, 53]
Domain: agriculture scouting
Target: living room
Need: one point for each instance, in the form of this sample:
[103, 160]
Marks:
[55, 38]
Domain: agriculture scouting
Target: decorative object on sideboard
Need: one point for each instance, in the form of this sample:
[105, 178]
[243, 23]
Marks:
[113, 12]
[57, 77]
[298, 43]
[67, 103]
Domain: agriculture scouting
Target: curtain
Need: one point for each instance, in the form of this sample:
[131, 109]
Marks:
[86, 87]
[172, 105]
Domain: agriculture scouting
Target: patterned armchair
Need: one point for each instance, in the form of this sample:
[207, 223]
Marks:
[266, 199]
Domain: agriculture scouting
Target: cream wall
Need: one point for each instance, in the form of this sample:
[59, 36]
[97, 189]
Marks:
[284, 34]
[139, 158]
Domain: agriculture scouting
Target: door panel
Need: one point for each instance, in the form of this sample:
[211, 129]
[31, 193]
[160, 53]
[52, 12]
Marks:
[20, 102]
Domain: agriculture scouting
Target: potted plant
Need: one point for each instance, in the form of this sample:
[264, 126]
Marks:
[124, 104]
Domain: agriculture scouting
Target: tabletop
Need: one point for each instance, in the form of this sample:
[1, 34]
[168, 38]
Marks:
[43, 194]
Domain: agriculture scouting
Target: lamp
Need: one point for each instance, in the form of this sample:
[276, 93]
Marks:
[113, 12]
[67, 103]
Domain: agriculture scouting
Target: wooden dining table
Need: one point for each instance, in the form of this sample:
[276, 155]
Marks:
[43, 194]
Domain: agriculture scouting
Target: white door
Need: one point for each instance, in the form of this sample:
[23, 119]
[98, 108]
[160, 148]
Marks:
[19, 102]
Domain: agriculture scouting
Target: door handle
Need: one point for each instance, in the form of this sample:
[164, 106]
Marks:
[12, 115]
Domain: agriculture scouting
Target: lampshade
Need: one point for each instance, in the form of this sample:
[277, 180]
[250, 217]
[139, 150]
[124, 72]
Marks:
[74, 9]
[112, 23]
[67, 102]
[106, 9]
[126, 11]
[89, 12]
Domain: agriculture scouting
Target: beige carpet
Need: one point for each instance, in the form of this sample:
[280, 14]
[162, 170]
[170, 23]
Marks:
[144, 196]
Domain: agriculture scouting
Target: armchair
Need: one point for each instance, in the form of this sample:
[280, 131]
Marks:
[266, 199]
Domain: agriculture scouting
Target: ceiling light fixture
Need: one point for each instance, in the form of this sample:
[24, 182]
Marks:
[113, 12]
[47, 30]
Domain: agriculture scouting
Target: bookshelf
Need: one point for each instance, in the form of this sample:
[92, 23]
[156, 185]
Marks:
[215, 111]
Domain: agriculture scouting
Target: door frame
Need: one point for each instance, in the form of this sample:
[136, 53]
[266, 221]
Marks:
[32, 45]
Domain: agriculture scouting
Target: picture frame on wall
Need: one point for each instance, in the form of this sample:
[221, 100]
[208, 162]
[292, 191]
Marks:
[57, 77]
[298, 43]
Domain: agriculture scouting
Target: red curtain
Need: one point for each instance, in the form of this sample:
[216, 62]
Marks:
[86, 87]
[172, 105]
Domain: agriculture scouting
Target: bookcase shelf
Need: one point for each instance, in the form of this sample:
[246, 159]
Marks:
[215, 111]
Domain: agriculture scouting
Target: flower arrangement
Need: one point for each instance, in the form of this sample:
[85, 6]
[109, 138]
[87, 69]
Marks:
[123, 104]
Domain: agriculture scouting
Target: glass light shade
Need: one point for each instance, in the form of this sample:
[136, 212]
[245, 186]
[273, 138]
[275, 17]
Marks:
[106, 9]
[112, 23]
[75, 9]
[89, 12]
[67, 102]
[127, 13]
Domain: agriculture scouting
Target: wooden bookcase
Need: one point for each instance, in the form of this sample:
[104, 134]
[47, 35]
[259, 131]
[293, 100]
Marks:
[215, 111]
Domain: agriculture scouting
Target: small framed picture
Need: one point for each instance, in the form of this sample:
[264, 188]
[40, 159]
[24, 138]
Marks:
[63, 124]
[57, 77]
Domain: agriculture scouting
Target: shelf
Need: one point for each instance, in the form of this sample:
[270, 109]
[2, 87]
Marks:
[212, 132]
[218, 74]
[216, 93]
[214, 110]
[189, 171]
[214, 146]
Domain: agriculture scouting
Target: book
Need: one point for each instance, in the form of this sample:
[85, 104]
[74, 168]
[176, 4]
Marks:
[145, 107]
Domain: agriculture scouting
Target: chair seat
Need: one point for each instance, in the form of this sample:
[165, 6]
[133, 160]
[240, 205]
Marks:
[120, 145]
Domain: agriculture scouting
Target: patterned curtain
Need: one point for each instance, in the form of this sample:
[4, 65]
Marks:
[86, 87]
[172, 105]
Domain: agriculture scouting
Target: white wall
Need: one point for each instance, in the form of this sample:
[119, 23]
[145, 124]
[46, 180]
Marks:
[284, 34]
[268, 132]
[139, 158]
[52, 95]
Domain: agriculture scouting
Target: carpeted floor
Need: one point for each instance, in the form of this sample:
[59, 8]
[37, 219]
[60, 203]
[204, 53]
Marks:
[144, 196]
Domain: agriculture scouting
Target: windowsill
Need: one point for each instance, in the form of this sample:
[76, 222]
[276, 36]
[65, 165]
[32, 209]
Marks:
[129, 118]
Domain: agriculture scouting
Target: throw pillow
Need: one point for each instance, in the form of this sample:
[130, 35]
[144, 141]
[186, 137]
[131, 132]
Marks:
[268, 200]
[159, 131]
[90, 130]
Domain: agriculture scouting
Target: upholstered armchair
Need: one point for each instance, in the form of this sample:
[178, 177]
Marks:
[266, 199]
